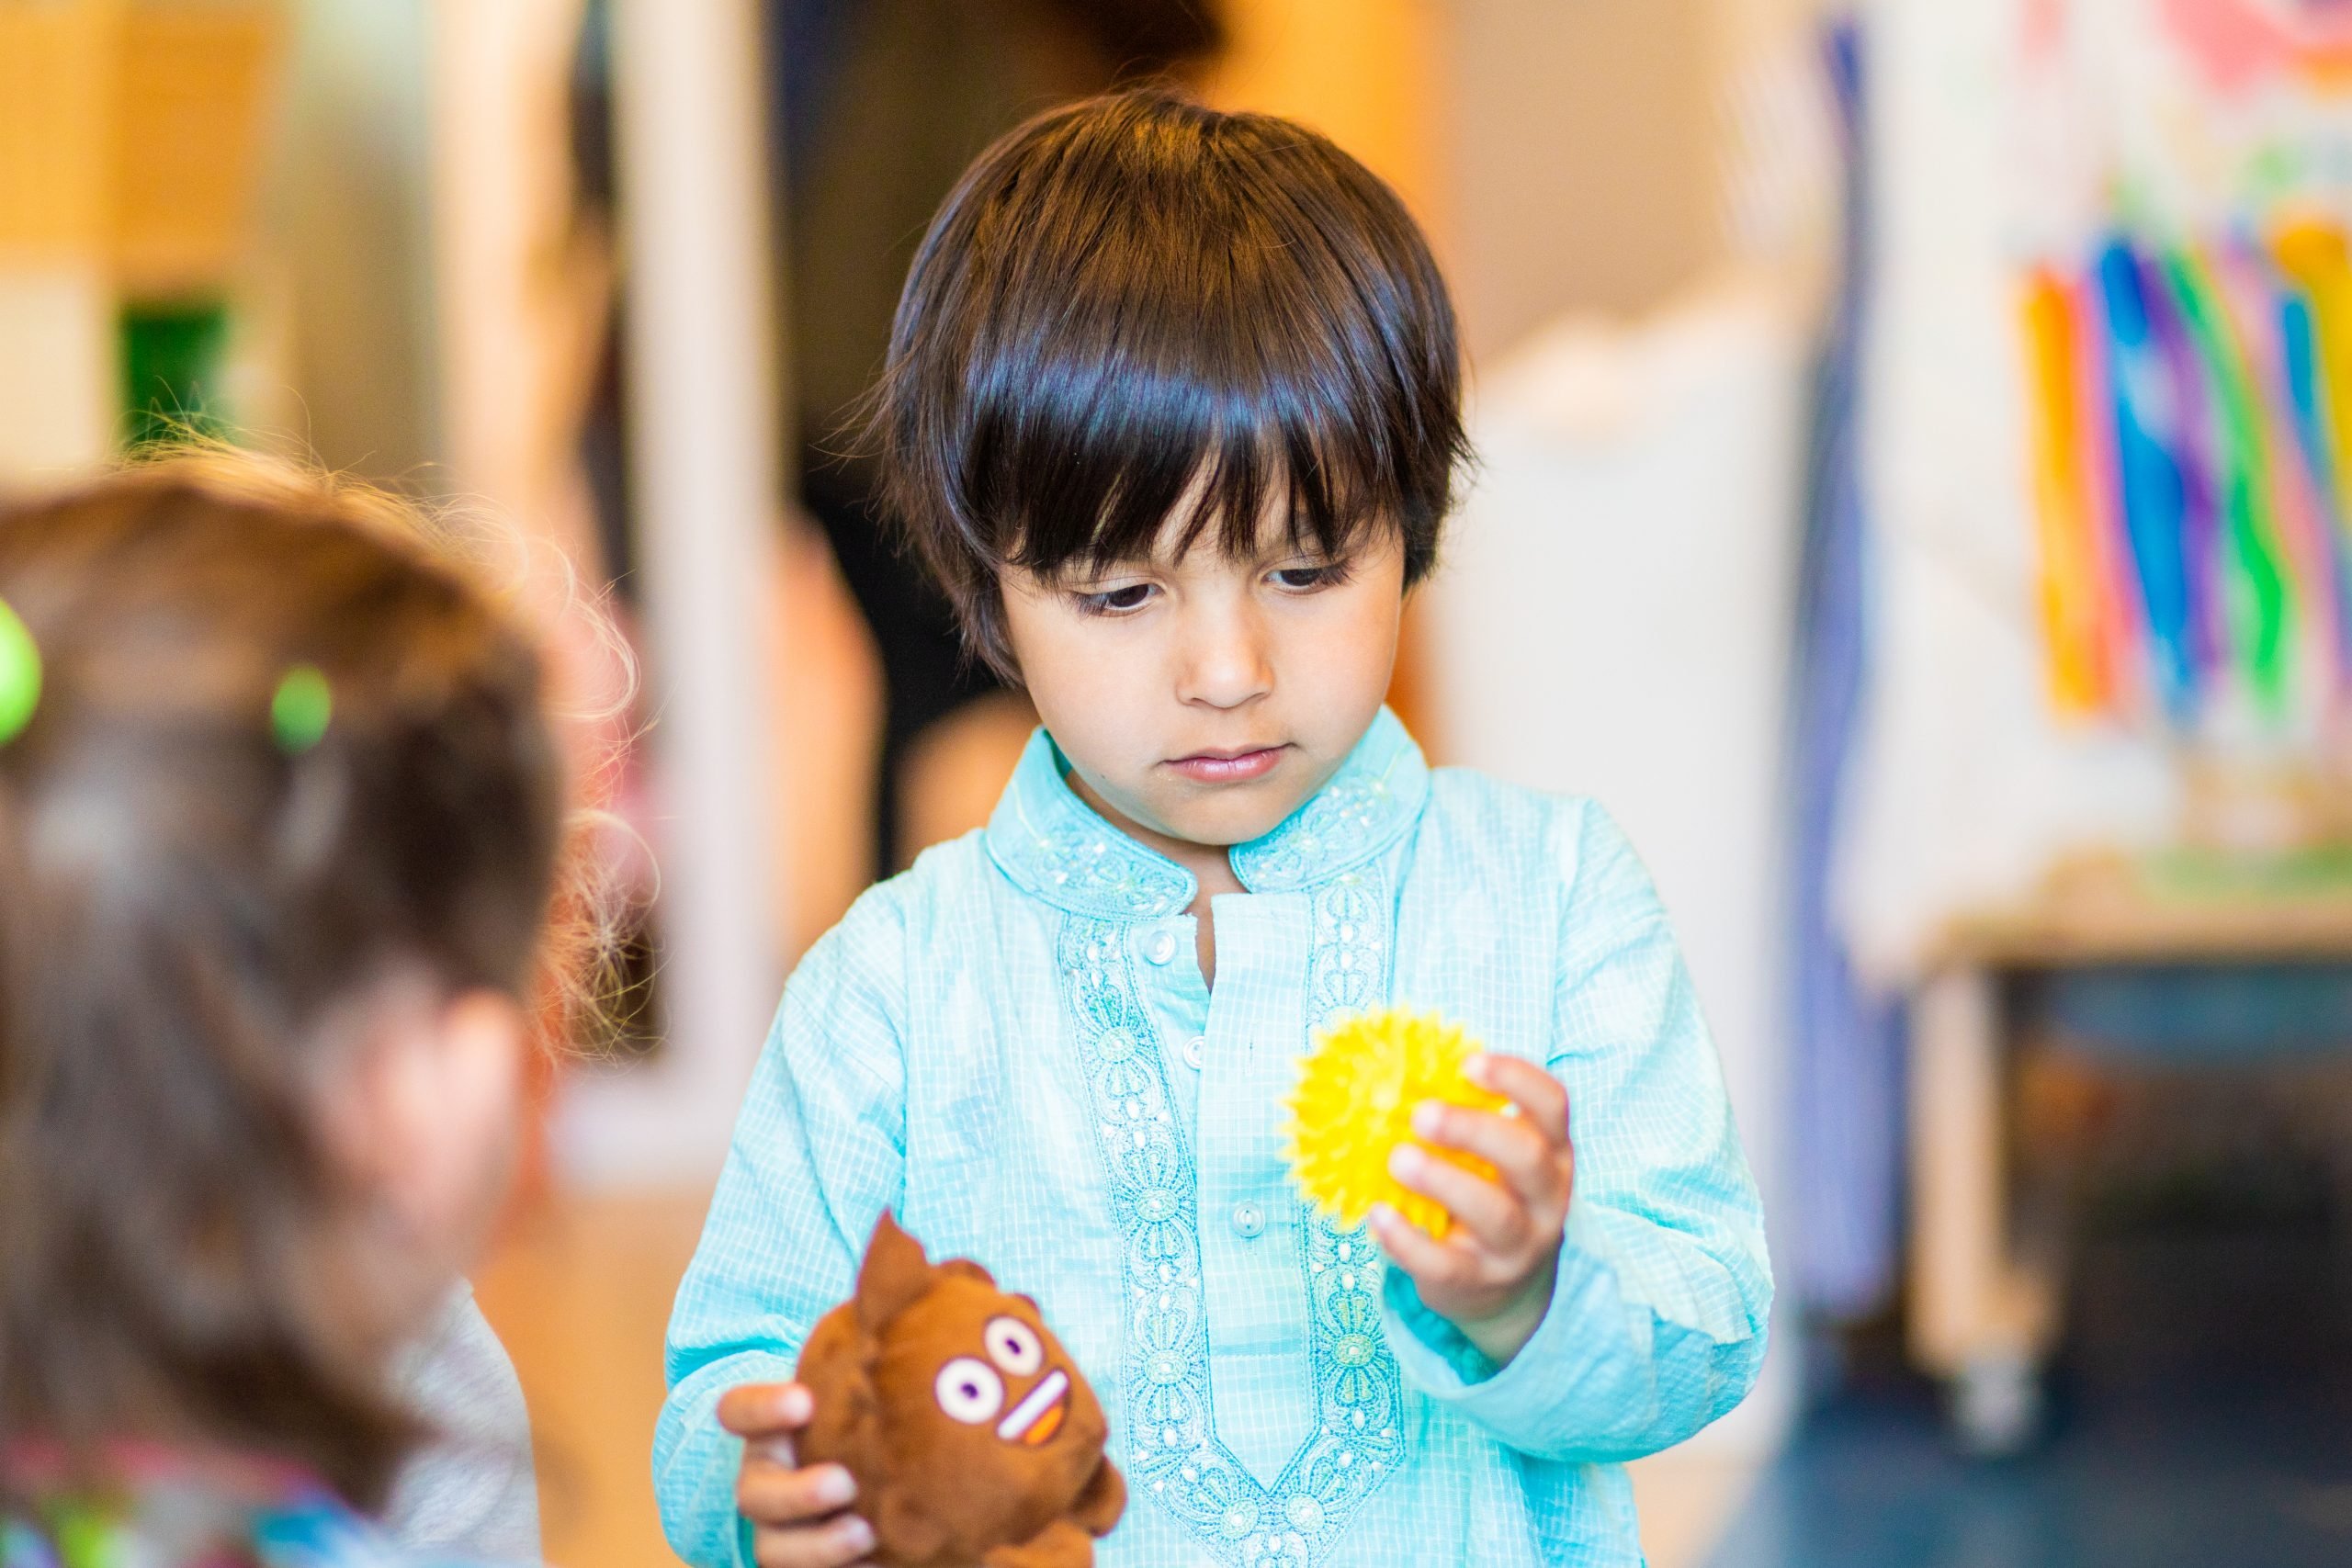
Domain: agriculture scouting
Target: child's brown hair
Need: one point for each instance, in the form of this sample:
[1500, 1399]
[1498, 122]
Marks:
[284, 750]
[1134, 304]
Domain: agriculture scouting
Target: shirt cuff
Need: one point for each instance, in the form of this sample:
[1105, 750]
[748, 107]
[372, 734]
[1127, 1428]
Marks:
[1439, 1359]
[724, 1541]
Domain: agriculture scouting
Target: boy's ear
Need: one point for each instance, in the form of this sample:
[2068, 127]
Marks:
[893, 1277]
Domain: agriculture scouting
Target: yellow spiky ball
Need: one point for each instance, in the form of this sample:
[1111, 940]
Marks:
[1353, 1106]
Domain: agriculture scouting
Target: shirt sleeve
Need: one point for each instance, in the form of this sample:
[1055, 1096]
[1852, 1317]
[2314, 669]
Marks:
[1658, 1319]
[819, 1152]
[470, 1492]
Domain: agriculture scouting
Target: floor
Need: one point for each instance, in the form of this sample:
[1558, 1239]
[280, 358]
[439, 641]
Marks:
[580, 1291]
[2203, 1416]
[1686, 1499]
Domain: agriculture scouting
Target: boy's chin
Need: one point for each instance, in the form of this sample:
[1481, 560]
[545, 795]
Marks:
[1226, 820]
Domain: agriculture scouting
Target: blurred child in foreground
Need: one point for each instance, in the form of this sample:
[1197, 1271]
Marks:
[282, 822]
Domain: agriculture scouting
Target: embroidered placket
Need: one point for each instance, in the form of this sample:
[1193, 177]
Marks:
[1174, 1454]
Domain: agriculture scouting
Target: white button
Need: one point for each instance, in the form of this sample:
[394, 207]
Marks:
[1162, 948]
[1193, 1049]
[1247, 1221]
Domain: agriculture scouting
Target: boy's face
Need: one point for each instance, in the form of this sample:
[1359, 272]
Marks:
[1203, 698]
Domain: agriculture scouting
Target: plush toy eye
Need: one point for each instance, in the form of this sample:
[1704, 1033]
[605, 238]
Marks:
[1014, 1346]
[969, 1390]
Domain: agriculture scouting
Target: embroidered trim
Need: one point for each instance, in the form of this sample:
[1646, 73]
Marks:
[1103, 868]
[1341, 823]
[1347, 968]
[1173, 1453]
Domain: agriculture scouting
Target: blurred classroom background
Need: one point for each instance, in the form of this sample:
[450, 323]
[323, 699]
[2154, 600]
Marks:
[1915, 448]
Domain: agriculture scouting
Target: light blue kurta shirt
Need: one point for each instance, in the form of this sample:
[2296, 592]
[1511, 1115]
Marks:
[1012, 1047]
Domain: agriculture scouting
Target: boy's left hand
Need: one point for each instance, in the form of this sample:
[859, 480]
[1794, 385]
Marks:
[1491, 1277]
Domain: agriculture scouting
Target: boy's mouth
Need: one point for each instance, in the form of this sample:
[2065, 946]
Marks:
[1229, 766]
[1037, 1418]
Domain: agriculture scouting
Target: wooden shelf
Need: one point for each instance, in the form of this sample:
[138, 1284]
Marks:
[2111, 909]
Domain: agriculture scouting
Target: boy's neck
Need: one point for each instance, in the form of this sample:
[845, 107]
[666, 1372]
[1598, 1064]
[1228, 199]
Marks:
[1211, 865]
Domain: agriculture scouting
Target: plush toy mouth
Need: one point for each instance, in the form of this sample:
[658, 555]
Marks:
[1036, 1418]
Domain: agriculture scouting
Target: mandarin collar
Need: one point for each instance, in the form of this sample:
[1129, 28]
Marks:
[1056, 846]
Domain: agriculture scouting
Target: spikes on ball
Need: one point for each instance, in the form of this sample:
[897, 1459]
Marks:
[1354, 1105]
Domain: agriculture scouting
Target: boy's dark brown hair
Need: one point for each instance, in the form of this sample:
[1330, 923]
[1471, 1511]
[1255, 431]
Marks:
[1134, 295]
[284, 750]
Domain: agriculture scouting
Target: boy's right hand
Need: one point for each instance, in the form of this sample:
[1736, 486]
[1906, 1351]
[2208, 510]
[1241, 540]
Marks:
[798, 1515]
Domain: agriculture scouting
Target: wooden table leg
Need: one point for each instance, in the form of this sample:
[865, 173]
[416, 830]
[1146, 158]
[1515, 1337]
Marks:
[1978, 1318]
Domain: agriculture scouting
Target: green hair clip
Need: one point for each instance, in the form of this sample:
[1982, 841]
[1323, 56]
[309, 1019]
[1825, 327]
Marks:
[300, 709]
[19, 674]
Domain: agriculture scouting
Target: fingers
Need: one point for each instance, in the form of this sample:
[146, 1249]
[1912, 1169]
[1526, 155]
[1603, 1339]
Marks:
[1526, 1145]
[835, 1544]
[1520, 1154]
[755, 1410]
[1540, 1097]
[1493, 1216]
[795, 1514]
[773, 1494]
[1414, 1250]
[1454, 1275]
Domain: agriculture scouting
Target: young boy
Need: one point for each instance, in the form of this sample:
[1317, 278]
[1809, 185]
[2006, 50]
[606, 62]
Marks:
[1173, 413]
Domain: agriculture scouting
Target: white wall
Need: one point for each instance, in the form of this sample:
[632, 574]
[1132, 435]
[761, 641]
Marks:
[1613, 620]
[59, 380]
[703, 397]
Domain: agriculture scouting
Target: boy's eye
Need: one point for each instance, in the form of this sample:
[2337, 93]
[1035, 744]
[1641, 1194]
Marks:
[1325, 575]
[1113, 600]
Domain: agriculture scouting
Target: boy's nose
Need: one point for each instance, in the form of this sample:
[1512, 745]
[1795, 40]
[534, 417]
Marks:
[1227, 662]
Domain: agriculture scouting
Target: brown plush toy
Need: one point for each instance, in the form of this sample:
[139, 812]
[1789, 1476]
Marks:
[972, 1435]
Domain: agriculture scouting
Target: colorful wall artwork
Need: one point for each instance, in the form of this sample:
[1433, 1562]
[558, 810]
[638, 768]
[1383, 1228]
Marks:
[2185, 305]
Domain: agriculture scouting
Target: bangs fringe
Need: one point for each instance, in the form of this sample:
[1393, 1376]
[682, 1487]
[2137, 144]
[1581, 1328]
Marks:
[1128, 494]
